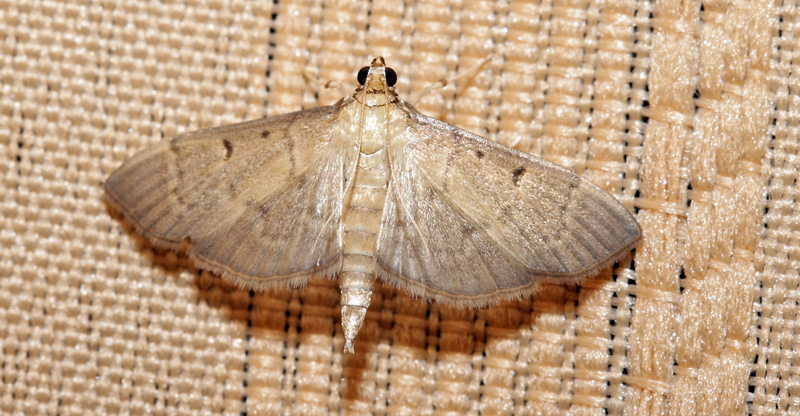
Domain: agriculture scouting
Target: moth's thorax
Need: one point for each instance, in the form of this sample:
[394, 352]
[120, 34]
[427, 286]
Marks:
[374, 130]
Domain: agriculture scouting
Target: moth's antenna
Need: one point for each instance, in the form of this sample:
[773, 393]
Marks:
[443, 82]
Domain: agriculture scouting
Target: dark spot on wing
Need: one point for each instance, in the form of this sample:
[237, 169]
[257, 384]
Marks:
[228, 148]
[264, 134]
[467, 230]
[479, 154]
[263, 210]
[517, 175]
[545, 238]
[569, 200]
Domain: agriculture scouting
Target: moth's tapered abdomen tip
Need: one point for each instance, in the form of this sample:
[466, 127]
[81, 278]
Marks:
[352, 319]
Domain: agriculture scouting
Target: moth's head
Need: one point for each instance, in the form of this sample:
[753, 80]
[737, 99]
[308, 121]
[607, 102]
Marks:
[377, 78]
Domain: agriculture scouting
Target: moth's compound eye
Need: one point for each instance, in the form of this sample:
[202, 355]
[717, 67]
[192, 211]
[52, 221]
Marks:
[362, 75]
[391, 77]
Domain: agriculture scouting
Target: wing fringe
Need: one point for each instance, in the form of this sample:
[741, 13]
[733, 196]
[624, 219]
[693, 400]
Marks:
[242, 281]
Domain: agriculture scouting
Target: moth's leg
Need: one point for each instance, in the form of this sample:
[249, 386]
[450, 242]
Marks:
[443, 82]
[329, 84]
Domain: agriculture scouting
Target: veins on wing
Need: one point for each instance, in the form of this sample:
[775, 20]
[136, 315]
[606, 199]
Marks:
[471, 221]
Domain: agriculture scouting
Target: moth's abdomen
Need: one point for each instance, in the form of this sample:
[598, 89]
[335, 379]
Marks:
[361, 219]
[362, 213]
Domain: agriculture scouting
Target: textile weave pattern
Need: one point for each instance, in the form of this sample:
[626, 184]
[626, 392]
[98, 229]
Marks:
[685, 111]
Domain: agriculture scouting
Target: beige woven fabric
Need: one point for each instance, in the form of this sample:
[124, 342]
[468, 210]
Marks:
[687, 111]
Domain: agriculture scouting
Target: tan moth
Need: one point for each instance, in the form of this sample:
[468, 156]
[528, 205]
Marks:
[365, 188]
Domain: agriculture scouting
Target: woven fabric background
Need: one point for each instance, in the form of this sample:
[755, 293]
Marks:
[689, 112]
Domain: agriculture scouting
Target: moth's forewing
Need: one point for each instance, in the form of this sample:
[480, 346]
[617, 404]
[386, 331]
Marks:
[472, 222]
[259, 201]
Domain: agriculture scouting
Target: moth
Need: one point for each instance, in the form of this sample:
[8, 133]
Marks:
[366, 188]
